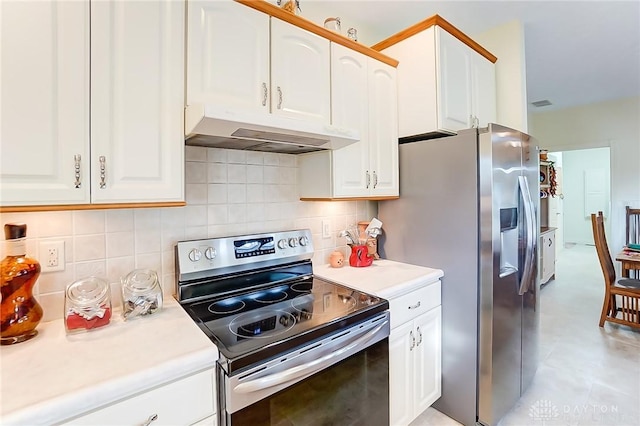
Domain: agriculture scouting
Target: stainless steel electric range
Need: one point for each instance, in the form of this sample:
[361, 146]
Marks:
[294, 349]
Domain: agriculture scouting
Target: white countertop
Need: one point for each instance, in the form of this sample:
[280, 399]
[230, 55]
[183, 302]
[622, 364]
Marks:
[53, 377]
[384, 278]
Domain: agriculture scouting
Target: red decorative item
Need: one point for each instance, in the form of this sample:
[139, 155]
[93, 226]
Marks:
[360, 256]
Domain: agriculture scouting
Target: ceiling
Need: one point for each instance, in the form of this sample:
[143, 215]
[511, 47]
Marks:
[577, 52]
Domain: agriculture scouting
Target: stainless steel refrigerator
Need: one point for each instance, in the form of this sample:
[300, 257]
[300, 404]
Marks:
[469, 205]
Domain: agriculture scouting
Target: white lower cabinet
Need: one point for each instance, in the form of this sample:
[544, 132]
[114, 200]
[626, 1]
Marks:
[187, 401]
[548, 258]
[415, 353]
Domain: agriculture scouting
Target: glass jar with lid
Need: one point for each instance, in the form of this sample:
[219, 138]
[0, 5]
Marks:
[87, 305]
[141, 293]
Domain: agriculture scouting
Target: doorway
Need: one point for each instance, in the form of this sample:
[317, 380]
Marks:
[583, 177]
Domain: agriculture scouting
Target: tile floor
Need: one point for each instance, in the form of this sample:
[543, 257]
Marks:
[587, 375]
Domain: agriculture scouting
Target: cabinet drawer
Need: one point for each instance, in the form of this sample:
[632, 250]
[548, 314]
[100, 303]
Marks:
[183, 402]
[409, 306]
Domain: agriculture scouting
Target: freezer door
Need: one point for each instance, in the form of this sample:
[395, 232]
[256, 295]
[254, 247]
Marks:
[531, 298]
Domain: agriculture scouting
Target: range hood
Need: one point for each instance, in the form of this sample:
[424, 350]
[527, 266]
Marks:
[214, 126]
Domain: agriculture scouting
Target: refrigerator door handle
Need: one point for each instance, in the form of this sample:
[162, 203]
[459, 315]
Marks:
[530, 233]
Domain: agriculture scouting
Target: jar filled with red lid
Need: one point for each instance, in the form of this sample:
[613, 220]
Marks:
[87, 305]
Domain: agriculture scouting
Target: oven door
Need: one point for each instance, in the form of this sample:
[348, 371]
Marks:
[342, 379]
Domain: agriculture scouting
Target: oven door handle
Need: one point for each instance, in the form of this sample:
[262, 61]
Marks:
[306, 369]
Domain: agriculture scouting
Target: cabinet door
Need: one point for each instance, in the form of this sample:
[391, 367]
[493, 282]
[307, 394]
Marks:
[44, 102]
[383, 129]
[401, 374]
[453, 82]
[137, 101]
[350, 110]
[483, 75]
[228, 56]
[428, 359]
[300, 74]
[551, 254]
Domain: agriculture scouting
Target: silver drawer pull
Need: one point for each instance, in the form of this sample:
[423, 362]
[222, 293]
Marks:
[419, 336]
[152, 418]
[417, 305]
[413, 340]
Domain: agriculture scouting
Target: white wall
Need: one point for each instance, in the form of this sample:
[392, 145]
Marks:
[507, 43]
[577, 205]
[615, 124]
[228, 193]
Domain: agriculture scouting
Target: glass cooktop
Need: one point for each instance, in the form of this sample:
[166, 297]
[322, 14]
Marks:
[284, 314]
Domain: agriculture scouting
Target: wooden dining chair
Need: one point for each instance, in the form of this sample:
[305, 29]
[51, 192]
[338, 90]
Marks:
[633, 226]
[621, 303]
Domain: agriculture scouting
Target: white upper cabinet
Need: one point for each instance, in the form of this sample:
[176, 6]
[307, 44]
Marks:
[240, 60]
[137, 101]
[383, 129]
[453, 77]
[350, 109]
[363, 97]
[92, 118]
[228, 56]
[443, 84]
[300, 74]
[44, 102]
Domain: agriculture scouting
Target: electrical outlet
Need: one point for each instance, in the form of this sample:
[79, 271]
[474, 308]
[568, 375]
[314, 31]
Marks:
[51, 256]
[326, 229]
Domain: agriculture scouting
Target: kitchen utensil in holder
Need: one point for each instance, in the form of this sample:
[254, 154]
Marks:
[371, 242]
[87, 305]
[141, 293]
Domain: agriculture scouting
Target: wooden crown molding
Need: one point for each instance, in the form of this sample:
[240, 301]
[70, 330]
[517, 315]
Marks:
[430, 22]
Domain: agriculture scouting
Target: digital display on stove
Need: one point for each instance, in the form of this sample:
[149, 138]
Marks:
[254, 247]
[258, 327]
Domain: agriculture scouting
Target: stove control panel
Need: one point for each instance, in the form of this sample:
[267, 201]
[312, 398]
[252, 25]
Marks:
[209, 257]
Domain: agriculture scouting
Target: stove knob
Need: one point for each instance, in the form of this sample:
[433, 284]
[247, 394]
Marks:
[293, 242]
[195, 255]
[210, 253]
[284, 320]
[304, 241]
[282, 244]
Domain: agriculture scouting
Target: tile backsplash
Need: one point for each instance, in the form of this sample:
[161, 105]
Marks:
[228, 192]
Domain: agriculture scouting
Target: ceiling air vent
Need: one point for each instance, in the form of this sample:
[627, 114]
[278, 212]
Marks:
[541, 103]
